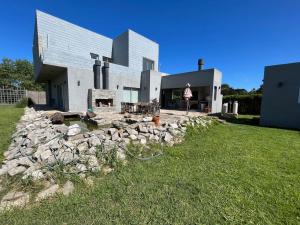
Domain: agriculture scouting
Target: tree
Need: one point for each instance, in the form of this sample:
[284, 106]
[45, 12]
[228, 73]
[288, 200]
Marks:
[6, 71]
[227, 90]
[18, 73]
[259, 90]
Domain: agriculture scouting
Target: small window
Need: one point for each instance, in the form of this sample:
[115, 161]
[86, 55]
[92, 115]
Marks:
[78, 83]
[215, 93]
[148, 64]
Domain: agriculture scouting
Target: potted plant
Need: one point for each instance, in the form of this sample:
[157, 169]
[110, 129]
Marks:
[155, 108]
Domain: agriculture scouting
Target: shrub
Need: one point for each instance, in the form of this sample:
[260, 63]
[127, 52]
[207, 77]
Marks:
[22, 103]
[248, 104]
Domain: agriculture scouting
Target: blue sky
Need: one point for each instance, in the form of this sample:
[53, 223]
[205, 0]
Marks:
[238, 37]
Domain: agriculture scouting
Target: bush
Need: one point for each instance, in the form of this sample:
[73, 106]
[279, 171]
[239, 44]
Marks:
[248, 104]
[22, 103]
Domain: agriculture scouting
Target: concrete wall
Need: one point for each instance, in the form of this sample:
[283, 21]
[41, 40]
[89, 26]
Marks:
[140, 47]
[195, 78]
[78, 95]
[150, 85]
[119, 77]
[38, 97]
[120, 53]
[56, 36]
[280, 101]
[216, 105]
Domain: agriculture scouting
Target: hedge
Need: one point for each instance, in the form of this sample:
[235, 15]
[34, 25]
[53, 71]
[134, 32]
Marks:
[248, 103]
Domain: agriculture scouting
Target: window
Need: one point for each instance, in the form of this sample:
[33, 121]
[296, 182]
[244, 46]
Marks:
[215, 93]
[176, 94]
[130, 95]
[148, 64]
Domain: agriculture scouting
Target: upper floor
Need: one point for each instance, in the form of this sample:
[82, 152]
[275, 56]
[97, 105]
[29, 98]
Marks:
[60, 43]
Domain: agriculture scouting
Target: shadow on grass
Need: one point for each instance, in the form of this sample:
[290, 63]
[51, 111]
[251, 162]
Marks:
[244, 119]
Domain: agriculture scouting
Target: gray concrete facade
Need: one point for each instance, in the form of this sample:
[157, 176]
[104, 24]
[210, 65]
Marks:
[280, 105]
[63, 55]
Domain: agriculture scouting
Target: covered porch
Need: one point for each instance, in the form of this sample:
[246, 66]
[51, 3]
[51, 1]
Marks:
[56, 80]
[173, 98]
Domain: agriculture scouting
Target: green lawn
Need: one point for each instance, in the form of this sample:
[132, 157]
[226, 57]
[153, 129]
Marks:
[231, 174]
[9, 115]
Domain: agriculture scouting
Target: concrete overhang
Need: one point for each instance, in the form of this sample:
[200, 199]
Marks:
[49, 72]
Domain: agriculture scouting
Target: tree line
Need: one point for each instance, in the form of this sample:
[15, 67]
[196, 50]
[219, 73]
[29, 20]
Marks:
[227, 90]
[18, 73]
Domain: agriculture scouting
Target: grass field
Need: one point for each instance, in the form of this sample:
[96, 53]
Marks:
[9, 115]
[230, 174]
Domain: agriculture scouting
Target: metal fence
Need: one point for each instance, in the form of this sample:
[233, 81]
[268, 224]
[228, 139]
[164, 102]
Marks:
[11, 95]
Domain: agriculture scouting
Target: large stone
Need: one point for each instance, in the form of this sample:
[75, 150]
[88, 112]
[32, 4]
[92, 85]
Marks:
[143, 141]
[83, 147]
[133, 137]
[39, 151]
[57, 118]
[47, 192]
[111, 131]
[115, 136]
[132, 131]
[45, 155]
[126, 140]
[147, 119]
[16, 170]
[66, 156]
[90, 114]
[81, 168]
[25, 161]
[92, 151]
[168, 137]
[174, 125]
[55, 144]
[27, 151]
[142, 129]
[94, 141]
[68, 188]
[74, 130]
[61, 128]
[14, 199]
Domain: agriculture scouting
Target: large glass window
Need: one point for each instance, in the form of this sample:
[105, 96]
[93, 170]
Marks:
[176, 94]
[148, 64]
[130, 95]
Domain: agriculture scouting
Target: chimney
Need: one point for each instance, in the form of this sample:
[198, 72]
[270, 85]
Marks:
[97, 82]
[200, 64]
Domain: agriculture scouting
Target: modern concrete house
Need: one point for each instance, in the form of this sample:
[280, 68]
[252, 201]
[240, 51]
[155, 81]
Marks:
[281, 96]
[85, 70]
